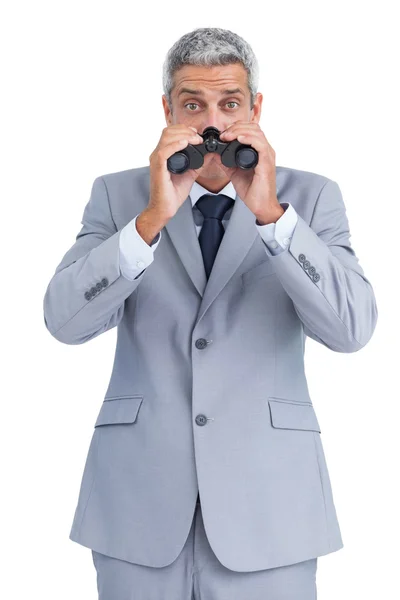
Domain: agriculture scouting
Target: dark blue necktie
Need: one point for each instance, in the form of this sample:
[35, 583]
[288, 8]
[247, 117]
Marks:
[213, 209]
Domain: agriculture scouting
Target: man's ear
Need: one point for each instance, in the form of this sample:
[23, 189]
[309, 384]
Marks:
[167, 111]
[256, 110]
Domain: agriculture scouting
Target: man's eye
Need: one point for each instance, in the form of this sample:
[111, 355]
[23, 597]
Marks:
[194, 104]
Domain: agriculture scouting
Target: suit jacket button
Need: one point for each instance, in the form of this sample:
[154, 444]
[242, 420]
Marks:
[99, 287]
[88, 296]
[93, 291]
[311, 270]
[302, 257]
[104, 282]
[316, 277]
[306, 264]
[201, 420]
[201, 343]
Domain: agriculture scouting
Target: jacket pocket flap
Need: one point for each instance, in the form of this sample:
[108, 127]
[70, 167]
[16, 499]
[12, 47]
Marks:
[287, 414]
[258, 272]
[121, 409]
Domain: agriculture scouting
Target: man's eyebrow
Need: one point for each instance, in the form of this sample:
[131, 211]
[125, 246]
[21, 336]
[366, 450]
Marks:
[201, 93]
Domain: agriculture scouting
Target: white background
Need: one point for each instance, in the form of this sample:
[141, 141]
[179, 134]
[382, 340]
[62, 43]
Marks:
[81, 97]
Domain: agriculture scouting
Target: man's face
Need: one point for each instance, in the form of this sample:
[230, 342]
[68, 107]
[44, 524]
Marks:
[211, 105]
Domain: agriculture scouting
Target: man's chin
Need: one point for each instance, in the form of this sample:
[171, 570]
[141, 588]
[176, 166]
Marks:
[212, 168]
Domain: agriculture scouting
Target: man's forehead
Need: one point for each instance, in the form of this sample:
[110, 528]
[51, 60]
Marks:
[199, 80]
[201, 92]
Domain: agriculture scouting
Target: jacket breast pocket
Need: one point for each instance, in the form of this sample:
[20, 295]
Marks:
[118, 410]
[265, 269]
[290, 414]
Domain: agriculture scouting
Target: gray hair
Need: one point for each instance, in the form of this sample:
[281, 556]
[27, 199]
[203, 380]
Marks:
[210, 46]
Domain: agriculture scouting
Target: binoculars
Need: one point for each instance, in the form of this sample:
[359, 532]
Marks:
[233, 153]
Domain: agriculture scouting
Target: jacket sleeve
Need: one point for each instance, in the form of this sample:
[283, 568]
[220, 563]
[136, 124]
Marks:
[86, 295]
[321, 273]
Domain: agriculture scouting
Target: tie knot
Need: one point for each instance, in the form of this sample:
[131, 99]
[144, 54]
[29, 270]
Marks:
[214, 206]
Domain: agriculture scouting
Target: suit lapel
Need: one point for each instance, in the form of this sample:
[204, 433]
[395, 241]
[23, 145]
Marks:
[182, 231]
[239, 236]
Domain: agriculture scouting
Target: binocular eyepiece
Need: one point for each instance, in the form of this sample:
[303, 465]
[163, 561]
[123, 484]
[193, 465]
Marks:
[233, 153]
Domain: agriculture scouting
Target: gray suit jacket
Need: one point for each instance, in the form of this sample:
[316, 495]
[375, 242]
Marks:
[208, 390]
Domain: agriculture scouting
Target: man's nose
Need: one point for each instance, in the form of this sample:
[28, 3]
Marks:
[213, 120]
[220, 126]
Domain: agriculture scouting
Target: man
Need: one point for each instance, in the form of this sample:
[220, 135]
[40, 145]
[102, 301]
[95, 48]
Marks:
[214, 278]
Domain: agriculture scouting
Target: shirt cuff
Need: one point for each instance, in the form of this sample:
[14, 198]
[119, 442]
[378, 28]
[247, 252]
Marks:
[277, 235]
[135, 255]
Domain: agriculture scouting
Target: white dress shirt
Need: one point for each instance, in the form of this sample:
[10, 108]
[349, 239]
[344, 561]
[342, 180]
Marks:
[135, 255]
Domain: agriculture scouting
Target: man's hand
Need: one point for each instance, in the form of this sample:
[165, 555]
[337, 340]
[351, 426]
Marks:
[257, 186]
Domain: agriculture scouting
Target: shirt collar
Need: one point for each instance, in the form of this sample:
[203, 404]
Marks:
[198, 190]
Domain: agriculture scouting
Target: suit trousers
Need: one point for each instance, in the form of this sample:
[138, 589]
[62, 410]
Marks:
[197, 574]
